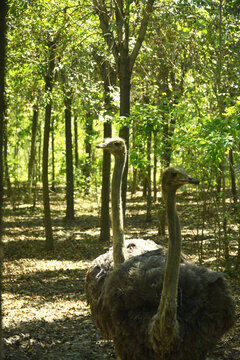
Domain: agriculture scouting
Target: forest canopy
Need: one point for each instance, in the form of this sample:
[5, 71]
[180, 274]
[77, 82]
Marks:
[162, 74]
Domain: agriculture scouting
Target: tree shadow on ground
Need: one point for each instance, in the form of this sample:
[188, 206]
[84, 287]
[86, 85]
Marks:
[70, 337]
[65, 284]
[73, 338]
[87, 248]
[25, 222]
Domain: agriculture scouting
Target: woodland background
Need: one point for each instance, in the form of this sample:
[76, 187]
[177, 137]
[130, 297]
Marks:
[165, 76]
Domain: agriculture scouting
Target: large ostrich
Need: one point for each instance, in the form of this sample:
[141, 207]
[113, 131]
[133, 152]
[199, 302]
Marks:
[155, 309]
[122, 249]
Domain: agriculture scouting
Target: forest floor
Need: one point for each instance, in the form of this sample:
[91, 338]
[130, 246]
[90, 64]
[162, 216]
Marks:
[45, 314]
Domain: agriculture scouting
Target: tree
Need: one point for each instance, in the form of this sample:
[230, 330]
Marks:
[69, 155]
[32, 159]
[117, 29]
[46, 201]
[3, 29]
[108, 76]
[109, 80]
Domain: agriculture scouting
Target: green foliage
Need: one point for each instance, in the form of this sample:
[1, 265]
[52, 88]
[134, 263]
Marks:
[185, 68]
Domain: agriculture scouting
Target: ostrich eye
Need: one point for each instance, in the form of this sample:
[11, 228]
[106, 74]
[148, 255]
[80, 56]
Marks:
[117, 144]
[174, 174]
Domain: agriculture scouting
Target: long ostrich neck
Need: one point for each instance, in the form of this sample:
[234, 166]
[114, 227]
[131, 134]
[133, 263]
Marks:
[117, 215]
[164, 326]
[170, 283]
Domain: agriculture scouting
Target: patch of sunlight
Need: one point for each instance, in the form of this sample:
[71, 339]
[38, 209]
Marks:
[24, 266]
[16, 311]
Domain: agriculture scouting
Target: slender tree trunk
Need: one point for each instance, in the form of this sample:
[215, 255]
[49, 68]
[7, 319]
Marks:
[219, 90]
[219, 178]
[3, 29]
[76, 142]
[144, 192]
[39, 162]
[69, 159]
[48, 109]
[135, 172]
[238, 254]
[221, 109]
[134, 181]
[233, 179]
[236, 205]
[53, 156]
[149, 192]
[46, 200]
[32, 158]
[5, 159]
[224, 224]
[125, 88]
[168, 131]
[88, 150]
[155, 168]
[108, 75]
[124, 74]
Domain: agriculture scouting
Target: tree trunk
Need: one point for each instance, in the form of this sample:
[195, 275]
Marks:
[134, 181]
[168, 131]
[134, 170]
[106, 168]
[233, 179]
[5, 159]
[88, 149]
[125, 88]
[220, 88]
[155, 168]
[238, 254]
[46, 201]
[69, 159]
[144, 183]
[3, 29]
[149, 192]
[53, 156]
[224, 224]
[32, 158]
[39, 157]
[108, 75]
[48, 110]
[219, 178]
[76, 142]
[119, 47]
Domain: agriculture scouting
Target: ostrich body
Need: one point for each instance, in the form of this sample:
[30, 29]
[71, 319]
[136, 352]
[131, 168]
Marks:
[161, 309]
[122, 249]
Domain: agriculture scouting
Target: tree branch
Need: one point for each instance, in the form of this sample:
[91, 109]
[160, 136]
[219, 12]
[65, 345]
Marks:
[142, 32]
[101, 10]
[119, 19]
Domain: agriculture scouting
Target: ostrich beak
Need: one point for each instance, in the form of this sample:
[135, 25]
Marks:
[102, 146]
[192, 180]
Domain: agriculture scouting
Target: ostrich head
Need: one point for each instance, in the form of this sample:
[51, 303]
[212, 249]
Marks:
[115, 146]
[174, 177]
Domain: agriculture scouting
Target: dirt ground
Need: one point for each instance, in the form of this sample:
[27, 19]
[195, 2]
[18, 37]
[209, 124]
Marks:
[45, 311]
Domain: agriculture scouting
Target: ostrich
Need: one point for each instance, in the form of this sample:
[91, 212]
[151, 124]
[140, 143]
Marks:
[122, 249]
[161, 309]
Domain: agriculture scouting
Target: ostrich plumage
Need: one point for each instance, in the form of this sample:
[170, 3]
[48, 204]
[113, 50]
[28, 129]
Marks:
[102, 266]
[158, 308]
[122, 249]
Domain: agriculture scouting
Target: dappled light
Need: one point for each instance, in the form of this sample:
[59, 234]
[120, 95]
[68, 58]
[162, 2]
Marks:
[159, 82]
[45, 311]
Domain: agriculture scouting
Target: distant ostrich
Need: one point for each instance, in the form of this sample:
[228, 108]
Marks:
[158, 309]
[122, 249]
